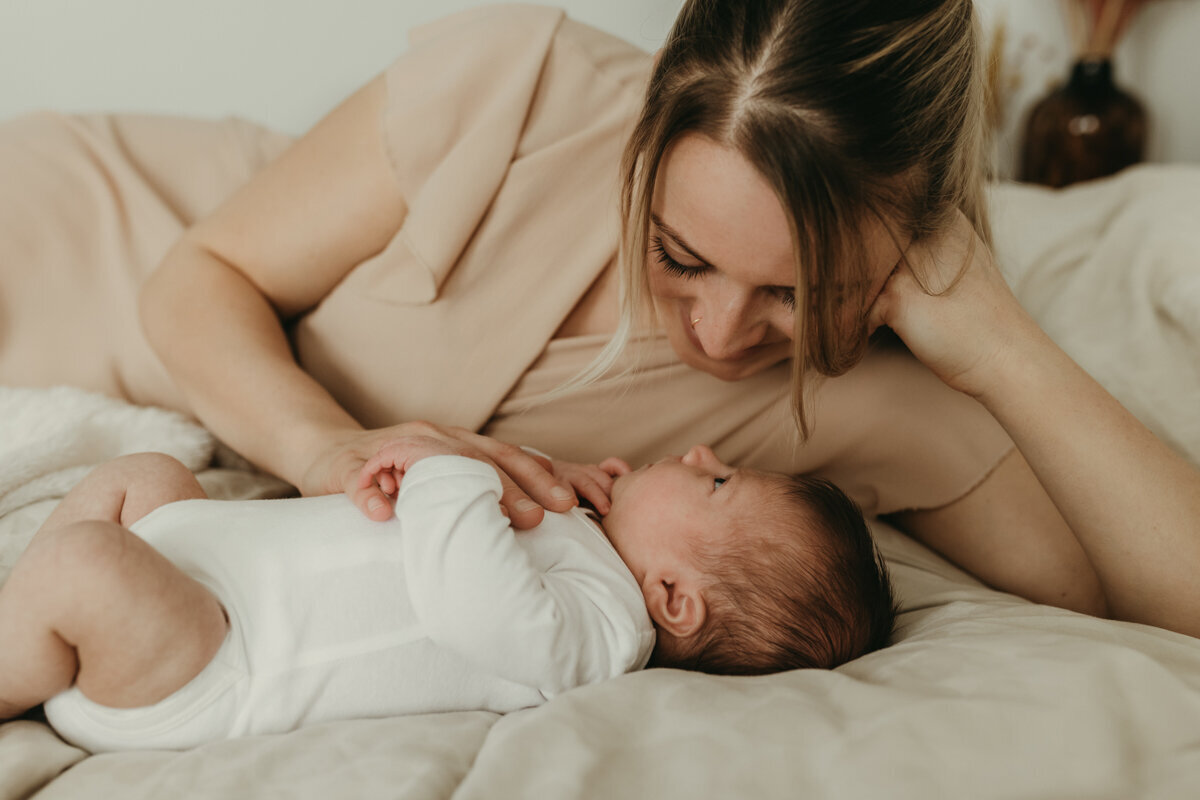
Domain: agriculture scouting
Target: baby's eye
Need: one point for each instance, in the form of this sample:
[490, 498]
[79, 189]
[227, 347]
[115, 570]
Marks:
[718, 481]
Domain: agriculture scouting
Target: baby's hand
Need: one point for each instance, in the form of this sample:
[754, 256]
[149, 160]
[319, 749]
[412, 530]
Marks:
[592, 482]
[387, 467]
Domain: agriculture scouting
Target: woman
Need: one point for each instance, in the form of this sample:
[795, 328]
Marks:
[441, 247]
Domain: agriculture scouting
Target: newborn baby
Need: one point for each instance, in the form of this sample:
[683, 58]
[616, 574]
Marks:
[145, 615]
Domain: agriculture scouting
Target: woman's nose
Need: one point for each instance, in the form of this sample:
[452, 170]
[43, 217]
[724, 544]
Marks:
[727, 326]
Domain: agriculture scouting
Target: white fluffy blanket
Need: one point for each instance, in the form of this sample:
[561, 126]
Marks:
[50, 438]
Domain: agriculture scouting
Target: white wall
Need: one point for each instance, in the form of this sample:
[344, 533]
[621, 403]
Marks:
[285, 62]
[279, 62]
[1158, 60]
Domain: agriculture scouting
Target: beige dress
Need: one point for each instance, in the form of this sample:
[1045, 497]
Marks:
[505, 127]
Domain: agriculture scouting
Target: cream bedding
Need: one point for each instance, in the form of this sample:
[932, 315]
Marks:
[982, 695]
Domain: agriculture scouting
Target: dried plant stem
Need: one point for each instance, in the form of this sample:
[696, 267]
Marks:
[1104, 37]
[1076, 19]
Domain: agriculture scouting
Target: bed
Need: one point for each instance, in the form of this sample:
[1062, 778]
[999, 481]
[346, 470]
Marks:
[982, 694]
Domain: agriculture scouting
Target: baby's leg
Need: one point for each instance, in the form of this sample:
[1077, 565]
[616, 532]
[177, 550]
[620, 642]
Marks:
[126, 489]
[91, 604]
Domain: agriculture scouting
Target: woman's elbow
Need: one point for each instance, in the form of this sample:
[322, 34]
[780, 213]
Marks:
[1085, 599]
[157, 304]
[181, 283]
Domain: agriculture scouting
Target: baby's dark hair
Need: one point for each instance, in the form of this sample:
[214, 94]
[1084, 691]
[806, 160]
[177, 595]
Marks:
[803, 587]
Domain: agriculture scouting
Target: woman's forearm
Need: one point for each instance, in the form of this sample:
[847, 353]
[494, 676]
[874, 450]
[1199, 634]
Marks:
[1132, 502]
[225, 347]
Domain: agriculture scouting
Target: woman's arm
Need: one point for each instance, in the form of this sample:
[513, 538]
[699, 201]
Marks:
[1007, 532]
[1132, 503]
[213, 310]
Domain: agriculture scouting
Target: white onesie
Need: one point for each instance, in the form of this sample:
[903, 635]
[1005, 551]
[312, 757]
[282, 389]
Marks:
[334, 616]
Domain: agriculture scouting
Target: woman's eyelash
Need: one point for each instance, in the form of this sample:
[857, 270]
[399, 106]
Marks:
[785, 296]
[670, 265]
[673, 267]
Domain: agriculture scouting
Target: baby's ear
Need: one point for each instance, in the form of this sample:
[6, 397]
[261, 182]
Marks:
[676, 604]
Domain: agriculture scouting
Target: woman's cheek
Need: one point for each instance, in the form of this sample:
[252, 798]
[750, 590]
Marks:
[659, 284]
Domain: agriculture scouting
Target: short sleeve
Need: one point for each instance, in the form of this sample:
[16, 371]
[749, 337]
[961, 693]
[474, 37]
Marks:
[899, 439]
[504, 128]
[457, 105]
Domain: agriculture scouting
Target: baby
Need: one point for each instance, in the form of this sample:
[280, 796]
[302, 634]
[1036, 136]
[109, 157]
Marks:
[146, 616]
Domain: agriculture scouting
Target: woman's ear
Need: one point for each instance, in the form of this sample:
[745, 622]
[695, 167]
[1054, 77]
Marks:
[676, 604]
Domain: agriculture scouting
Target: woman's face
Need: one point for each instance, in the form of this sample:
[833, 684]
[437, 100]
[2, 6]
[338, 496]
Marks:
[720, 261]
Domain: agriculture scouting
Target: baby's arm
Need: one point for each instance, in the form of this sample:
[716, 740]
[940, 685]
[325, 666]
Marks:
[477, 593]
[591, 482]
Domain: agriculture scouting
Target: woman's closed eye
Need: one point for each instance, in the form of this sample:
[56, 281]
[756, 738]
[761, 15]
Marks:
[786, 295]
[670, 265]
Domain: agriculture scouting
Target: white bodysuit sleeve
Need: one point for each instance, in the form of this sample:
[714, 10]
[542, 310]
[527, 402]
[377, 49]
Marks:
[477, 593]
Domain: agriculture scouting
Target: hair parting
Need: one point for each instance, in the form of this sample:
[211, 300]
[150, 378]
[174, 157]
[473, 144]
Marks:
[856, 112]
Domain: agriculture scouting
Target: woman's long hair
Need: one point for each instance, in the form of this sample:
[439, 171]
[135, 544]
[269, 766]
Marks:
[854, 111]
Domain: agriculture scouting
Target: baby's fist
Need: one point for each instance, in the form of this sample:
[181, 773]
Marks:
[387, 467]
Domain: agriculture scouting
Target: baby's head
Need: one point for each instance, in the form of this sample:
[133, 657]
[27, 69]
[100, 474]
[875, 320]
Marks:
[748, 572]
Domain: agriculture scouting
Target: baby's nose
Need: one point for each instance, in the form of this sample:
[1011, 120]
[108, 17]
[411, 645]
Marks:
[699, 455]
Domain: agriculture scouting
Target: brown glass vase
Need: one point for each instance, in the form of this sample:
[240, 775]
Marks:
[1085, 129]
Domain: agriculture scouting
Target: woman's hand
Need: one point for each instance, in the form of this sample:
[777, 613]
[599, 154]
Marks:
[529, 485]
[963, 322]
[386, 468]
[592, 482]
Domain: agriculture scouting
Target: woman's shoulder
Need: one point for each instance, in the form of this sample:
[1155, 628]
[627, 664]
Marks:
[487, 85]
[497, 35]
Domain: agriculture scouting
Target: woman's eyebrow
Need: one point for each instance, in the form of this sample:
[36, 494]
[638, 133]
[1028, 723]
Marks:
[679, 240]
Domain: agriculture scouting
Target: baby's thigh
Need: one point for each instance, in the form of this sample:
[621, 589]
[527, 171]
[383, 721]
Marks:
[142, 628]
[126, 489]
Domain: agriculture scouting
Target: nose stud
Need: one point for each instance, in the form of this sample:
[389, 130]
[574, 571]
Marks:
[696, 322]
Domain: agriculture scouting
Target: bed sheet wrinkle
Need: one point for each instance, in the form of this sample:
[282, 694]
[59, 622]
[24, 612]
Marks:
[406, 757]
[1121, 249]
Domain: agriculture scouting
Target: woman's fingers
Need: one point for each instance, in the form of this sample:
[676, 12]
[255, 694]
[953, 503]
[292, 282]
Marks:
[595, 486]
[528, 486]
[530, 479]
[615, 467]
[373, 466]
[520, 509]
[593, 482]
